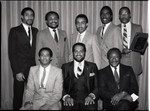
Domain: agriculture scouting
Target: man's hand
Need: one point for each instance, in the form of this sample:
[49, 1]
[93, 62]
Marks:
[28, 105]
[20, 77]
[126, 51]
[44, 107]
[117, 97]
[89, 100]
[68, 101]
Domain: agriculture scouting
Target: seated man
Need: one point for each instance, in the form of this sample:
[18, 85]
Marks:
[117, 84]
[80, 81]
[44, 87]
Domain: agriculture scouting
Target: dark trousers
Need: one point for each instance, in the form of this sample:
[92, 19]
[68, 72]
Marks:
[18, 94]
[123, 105]
[80, 105]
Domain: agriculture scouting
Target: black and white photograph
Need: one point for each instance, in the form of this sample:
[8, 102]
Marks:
[74, 55]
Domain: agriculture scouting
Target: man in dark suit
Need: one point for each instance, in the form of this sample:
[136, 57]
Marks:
[80, 81]
[21, 49]
[54, 38]
[117, 84]
[129, 57]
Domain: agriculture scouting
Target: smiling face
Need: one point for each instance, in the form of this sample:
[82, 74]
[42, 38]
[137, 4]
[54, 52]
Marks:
[114, 58]
[45, 58]
[79, 53]
[105, 16]
[124, 15]
[81, 24]
[52, 21]
[28, 17]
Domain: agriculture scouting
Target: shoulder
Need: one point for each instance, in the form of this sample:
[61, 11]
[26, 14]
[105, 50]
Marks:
[66, 65]
[92, 64]
[16, 28]
[34, 28]
[62, 32]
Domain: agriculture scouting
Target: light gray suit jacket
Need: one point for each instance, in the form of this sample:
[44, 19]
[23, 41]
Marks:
[92, 48]
[110, 39]
[60, 50]
[135, 57]
[53, 92]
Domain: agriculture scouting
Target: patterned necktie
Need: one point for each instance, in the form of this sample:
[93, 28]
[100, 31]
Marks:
[125, 43]
[30, 35]
[43, 77]
[79, 71]
[55, 36]
[116, 76]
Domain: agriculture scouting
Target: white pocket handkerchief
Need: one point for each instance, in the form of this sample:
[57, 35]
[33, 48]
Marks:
[92, 74]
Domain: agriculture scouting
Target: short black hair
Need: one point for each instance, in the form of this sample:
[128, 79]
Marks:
[110, 10]
[26, 9]
[51, 12]
[46, 48]
[124, 8]
[81, 16]
[114, 50]
[78, 43]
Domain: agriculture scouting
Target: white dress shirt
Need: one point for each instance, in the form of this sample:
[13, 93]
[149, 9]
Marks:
[106, 26]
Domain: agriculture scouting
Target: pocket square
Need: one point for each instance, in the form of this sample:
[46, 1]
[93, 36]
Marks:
[92, 74]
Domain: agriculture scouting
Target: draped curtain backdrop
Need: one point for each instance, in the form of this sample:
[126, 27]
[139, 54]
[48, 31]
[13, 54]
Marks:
[68, 10]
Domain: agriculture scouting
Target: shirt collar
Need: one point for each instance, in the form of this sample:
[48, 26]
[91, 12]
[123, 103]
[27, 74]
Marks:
[46, 67]
[52, 29]
[114, 67]
[82, 34]
[127, 24]
[81, 63]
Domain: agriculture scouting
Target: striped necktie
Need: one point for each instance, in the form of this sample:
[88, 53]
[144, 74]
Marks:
[125, 43]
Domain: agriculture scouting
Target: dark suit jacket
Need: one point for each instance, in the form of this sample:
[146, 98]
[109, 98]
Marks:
[134, 56]
[21, 54]
[89, 68]
[108, 87]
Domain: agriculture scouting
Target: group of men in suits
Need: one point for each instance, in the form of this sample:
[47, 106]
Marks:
[82, 83]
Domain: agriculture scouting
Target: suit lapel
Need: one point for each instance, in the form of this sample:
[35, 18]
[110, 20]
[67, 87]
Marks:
[132, 32]
[37, 75]
[71, 74]
[86, 37]
[87, 72]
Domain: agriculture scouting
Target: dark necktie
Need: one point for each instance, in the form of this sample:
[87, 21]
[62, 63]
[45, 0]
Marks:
[30, 34]
[103, 31]
[55, 36]
[116, 76]
[125, 43]
[43, 77]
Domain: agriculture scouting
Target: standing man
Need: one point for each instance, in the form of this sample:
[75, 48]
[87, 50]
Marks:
[53, 38]
[90, 40]
[109, 35]
[128, 30]
[21, 50]
[45, 83]
[80, 81]
[117, 84]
